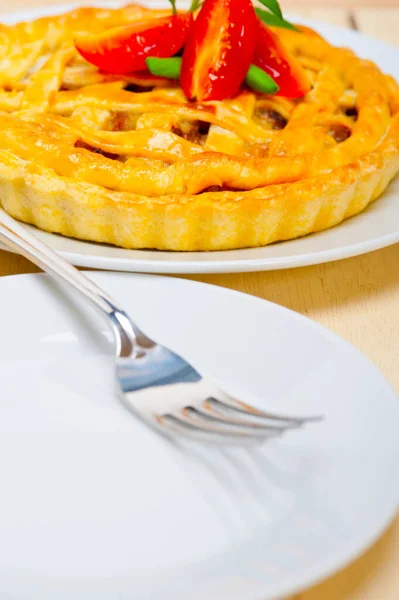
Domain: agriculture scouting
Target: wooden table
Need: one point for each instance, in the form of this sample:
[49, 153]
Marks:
[358, 298]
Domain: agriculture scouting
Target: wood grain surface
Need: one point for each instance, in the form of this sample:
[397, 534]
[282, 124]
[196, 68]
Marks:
[358, 298]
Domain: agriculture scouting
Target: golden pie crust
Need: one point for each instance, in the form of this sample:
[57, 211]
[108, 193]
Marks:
[93, 156]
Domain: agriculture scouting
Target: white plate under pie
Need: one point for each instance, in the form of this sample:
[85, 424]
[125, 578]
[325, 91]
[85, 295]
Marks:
[95, 506]
[375, 228]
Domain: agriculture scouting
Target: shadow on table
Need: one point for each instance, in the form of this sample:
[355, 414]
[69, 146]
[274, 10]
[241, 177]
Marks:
[319, 287]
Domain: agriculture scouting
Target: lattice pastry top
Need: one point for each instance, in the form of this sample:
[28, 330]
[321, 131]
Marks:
[125, 160]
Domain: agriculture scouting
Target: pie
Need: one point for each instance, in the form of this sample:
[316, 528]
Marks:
[130, 161]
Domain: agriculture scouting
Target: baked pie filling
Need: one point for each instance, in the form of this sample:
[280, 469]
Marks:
[128, 159]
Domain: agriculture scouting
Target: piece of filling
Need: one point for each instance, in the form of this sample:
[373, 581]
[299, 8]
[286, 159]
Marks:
[193, 131]
[122, 121]
[138, 89]
[82, 144]
[213, 188]
[271, 118]
[352, 112]
[339, 132]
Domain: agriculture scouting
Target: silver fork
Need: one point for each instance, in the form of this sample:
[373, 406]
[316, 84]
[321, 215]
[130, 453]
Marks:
[155, 383]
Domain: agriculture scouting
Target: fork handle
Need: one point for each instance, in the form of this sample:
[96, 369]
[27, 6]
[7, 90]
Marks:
[19, 238]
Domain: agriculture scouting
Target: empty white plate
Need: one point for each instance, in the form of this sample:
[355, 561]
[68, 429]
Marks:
[376, 228]
[94, 506]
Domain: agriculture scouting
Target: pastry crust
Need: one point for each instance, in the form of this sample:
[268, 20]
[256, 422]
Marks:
[83, 156]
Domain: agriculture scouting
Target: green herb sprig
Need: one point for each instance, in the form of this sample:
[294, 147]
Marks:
[195, 5]
[174, 9]
[273, 16]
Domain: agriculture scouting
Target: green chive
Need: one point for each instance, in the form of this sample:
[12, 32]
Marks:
[164, 67]
[170, 68]
[274, 20]
[260, 81]
[273, 6]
